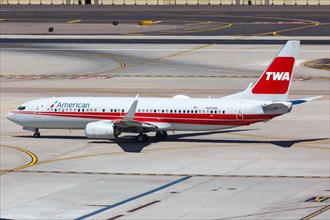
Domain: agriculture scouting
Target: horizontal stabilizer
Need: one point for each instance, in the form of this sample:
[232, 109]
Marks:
[301, 101]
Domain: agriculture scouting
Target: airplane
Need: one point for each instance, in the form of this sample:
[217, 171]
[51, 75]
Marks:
[109, 117]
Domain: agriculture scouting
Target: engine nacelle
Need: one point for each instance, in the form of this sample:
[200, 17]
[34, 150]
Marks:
[101, 130]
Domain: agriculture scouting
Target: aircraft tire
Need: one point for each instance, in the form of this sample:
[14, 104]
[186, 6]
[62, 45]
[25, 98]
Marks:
[36, 135]
[161, 135]
[141, 138]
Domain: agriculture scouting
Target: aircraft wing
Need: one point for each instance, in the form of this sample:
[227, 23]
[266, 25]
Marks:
[129, 123]
[136, 124]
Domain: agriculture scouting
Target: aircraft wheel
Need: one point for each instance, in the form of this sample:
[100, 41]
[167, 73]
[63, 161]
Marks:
[36, 135]
[161, 134]
[141, 138]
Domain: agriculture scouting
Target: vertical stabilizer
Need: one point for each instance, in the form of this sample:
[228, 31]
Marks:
[274, 83]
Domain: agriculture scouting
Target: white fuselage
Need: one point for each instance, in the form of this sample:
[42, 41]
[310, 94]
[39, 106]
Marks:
[190, 114]
[107, 118]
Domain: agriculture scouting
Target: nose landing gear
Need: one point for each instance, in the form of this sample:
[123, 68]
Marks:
[36, 133]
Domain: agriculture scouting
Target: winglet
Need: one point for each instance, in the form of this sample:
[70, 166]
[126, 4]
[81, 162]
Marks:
[301, 101]
[131, 112]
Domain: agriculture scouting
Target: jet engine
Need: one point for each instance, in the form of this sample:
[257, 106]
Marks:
[101, 130]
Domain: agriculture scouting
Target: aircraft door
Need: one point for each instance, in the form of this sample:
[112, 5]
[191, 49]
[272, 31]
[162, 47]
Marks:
[122, 113]
[37, 112]
[239, 114]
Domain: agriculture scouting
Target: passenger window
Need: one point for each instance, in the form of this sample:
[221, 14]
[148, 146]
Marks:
[174, 111]
[103, 110]
[155, 111]
[184, 111]
[223, 112]
[211, 112]
[163, 111]
[78, 110]
[215, 112]
[122, 110]
[171, 111]
[82, 110]
[195, 111]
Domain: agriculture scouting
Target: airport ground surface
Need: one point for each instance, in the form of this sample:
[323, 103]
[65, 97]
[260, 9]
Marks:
[274, 170]
[168, 20]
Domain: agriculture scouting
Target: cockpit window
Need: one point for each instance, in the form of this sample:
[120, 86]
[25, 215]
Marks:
[21, 108]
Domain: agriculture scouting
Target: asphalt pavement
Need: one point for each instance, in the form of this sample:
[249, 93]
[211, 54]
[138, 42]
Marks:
[168, 20]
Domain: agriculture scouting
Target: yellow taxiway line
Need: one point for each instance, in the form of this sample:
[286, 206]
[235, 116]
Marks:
[73, 21]
[34, 158]
[316, 213]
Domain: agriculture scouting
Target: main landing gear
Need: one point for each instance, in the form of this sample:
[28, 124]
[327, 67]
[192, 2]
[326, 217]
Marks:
[142, 138]
[161, 135]
[36, 133]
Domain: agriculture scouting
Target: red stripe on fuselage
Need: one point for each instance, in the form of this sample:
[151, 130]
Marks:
[201, 119]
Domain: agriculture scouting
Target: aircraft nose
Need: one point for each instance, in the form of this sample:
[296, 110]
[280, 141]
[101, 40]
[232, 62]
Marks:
[11, 116]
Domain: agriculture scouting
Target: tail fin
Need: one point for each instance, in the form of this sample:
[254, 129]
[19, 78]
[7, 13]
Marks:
[274, 83]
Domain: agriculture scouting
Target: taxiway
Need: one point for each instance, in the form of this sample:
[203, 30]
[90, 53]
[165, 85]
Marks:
[274, 170]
